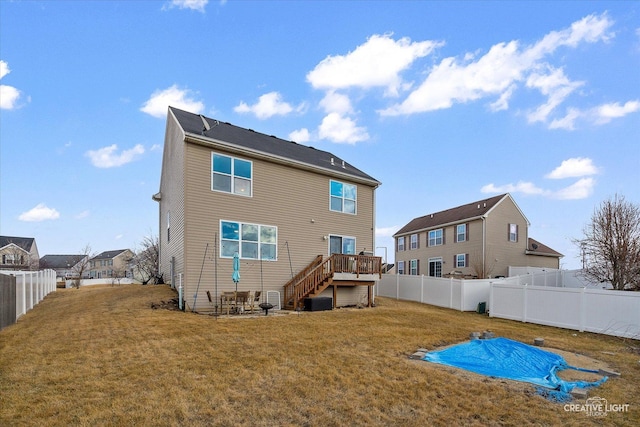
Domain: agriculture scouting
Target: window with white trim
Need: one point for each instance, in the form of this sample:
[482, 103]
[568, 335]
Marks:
[413, 267]
[436, 237]
[414, 241]
[400, 244]
[249, 241]
[231, 175]
[513, 232]
[461, 260]
[342, 245]
[343, 197]
[461, 232]
[401, 269]
[435, 267]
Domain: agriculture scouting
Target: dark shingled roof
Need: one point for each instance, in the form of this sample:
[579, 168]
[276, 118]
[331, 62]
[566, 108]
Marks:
[538, 248]
[60, 261]
[109, 254]
[22, 242]
[268, 144]
[457, 214]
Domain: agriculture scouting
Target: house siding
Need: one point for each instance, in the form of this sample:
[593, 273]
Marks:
[498, 245]
[172, 193]
[294, 200]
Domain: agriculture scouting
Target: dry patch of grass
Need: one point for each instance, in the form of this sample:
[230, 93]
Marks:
[103, 356]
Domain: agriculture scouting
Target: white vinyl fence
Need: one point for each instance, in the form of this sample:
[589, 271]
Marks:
[558, 298]
[31, 288]
[457, 294]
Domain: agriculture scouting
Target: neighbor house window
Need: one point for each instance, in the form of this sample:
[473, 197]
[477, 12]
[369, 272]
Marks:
[249, 241]
[400, 244]
[436, 237]
[461, 260]
[342, 245]
[461, 232]
[413, 267]
[343, 197]
[401, 269]
[414, 241]
[513, 232]
[231, 175]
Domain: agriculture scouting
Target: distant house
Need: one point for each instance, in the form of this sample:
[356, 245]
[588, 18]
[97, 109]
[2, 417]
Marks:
[65, 266]
[480, 239]
[18, 253]
[111, 264]
[301, 220]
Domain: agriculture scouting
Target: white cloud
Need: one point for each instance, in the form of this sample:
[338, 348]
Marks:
[83, 214]
[173, 96]
[568, 121]
[268, 105]
[573, 168]
[9, 95]
[108, 157]
[582, 189]
[300, 135]
[520, 187]
[606, 112]
[198, 5]
[39, 213]
[340, 129]
[376, 63]
[500, 71]
[334, 102]
[556, 86]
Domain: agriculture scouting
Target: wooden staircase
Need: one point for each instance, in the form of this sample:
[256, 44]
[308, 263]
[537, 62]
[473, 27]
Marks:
[319, 275]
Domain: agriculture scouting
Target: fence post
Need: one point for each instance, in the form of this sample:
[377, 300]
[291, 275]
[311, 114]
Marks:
[583, 310]
[451, 292]
[397, 286]
[490, 299]
[524, 302]
[422, 288]
[461, 294]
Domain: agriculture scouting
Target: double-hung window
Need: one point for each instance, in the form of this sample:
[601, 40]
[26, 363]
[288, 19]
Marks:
[401, 267]
[249, 241]
[461, 232]
[413, 267]
[436, 237]
[231, 175]
[343, 197]
[513, 232]
[415, 244]
[400, 244]
[461, 260]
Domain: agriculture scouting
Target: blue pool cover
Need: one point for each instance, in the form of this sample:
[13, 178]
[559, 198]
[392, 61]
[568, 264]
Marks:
[505, 358]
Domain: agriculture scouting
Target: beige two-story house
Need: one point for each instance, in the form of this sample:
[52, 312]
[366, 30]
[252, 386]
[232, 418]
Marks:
[477, 240]
[115, 264]
[301, 220]
[18, 253]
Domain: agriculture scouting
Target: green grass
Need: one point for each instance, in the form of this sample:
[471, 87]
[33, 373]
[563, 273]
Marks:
[100, 356]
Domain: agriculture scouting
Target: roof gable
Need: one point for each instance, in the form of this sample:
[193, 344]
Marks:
[458, 214]
[24, 243]
[109, 254]
[215, 131]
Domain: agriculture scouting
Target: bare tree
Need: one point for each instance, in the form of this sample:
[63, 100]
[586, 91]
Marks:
[610, 248]
[146, 262]
[81, 268]
[481, 269]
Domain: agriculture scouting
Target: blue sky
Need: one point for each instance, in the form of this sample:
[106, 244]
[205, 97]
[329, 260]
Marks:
[445, 103]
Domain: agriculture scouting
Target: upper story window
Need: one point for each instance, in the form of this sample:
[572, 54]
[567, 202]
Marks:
[461, 232]
[400, 244]
[249, 241]
[436, 237]
[415, 243]
[513, 232]
[231, 175]
[343, 197]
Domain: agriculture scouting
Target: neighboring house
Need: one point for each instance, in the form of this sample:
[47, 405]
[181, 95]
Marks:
[111, 264]
[283, 207]
[65, 266]
[18, 253]
[480, 239]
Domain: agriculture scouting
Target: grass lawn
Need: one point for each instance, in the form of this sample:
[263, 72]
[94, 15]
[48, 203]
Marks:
[101, 356]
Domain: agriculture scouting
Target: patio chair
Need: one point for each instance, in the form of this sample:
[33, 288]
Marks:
[241, 299]
[227, 299]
